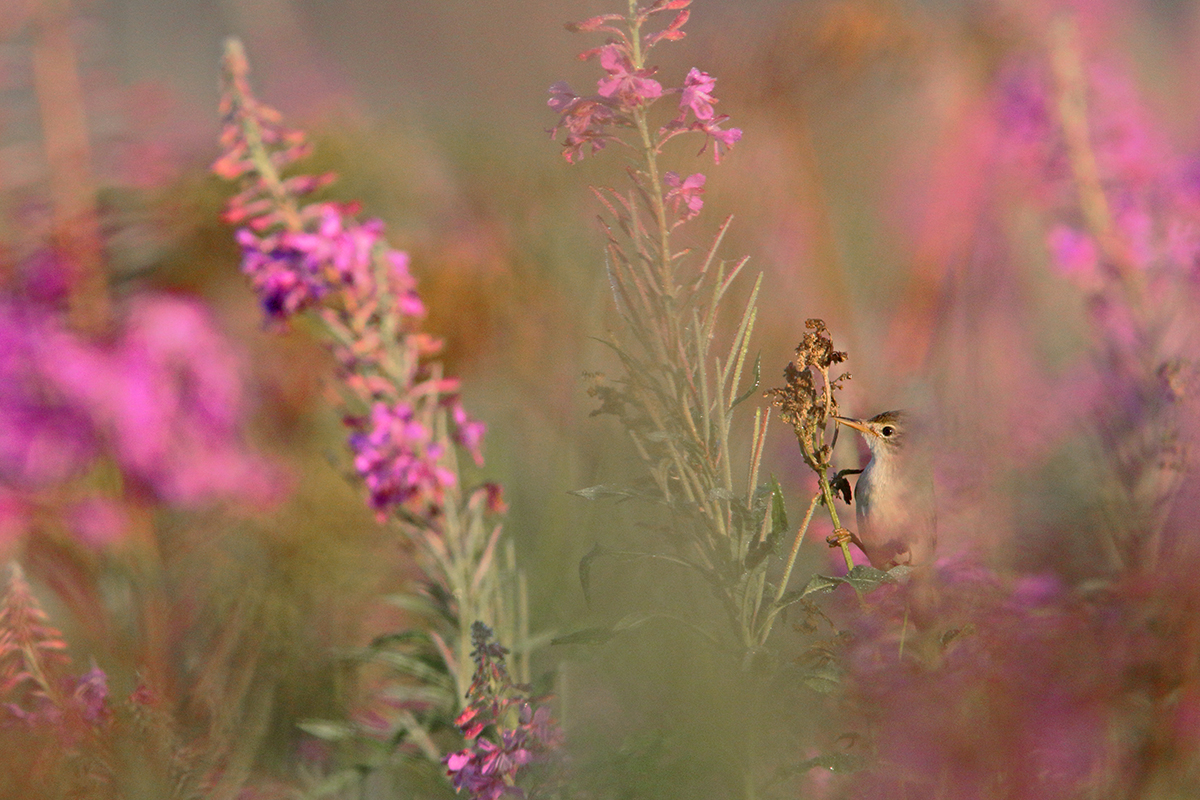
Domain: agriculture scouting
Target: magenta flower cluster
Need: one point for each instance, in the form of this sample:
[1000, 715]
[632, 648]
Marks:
[294, 270]
[397, 458]
[521, 733]
[625, 94]
[161, 398]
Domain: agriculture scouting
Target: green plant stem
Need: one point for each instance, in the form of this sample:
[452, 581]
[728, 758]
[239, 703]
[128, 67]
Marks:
[827, 492]
[648, 156]
[791, 562]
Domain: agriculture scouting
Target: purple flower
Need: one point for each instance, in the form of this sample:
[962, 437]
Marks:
[722, 139]
[685, 192]
[292, 271]
[488, 768]
[91, 696]
[586, 120]
[630, 87]
[402, 285]
[696, 95]
[286, 277]
[398, 460]
[468, 432]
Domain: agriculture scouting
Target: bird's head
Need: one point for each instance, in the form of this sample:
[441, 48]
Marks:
[883, 433]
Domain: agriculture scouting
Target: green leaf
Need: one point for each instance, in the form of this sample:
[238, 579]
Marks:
[602, 490]
[823, 677]
[596, 635]
[866, 578]
[753, 386]
[790, 598]
[779, 521]
[598, 550]
[585, 570]
[327, 730]
[820, 583]
[601, 633]
[443, 698]
[413, 667]
[411, 602]
[834, 762]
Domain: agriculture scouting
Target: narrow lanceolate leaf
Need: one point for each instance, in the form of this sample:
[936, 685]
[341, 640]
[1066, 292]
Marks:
[602, 633]
[585, 570]
[599, 550]
[414, 667]
[602, 490]
[741, 342]
[753, 386]
[779, 520]
[596, 635]
[327, 730]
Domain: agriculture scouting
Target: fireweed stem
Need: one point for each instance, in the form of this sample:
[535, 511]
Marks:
[791, 562]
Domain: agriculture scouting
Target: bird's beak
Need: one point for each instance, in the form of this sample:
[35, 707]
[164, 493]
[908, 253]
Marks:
[857, 424]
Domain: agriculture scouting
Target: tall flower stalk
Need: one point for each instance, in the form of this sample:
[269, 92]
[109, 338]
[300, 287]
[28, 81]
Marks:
[680, 384]
[407, 429]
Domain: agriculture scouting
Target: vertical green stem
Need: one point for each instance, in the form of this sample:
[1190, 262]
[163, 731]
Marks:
[791, 562]
[827, 492]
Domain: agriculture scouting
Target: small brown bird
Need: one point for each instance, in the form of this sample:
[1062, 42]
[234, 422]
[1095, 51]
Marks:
[894, 499]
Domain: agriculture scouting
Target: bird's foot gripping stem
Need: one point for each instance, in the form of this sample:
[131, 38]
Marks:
[842, 538]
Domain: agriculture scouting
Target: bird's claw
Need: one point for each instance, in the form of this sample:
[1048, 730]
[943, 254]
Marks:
[839, 537]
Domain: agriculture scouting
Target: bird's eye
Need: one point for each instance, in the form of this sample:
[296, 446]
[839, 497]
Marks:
[887, 430]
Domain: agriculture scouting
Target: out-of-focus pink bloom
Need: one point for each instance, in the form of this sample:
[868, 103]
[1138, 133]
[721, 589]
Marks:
[162, 397]
[630, 87]
[167, 397]
[468, 432]
[98, 522]
[1022, 696]
[91, 696]
[685, 193]
[1074, 254]
[44, 438]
